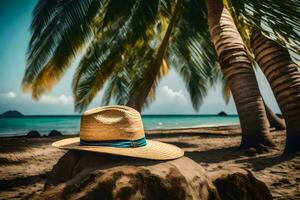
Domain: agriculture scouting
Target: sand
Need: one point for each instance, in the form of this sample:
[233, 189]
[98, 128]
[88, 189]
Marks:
[26, 162]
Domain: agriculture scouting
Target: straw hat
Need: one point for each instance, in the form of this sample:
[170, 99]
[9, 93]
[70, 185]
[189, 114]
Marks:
[117, 130]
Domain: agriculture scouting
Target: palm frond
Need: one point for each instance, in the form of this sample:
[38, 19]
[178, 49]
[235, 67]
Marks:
[42, 13]
[146, 80]
[134, 62]
[163, 71]
[167, 7]
[277, 19]
[107, 49]
[116, 90]
[132, 66]
[53, 49]
[226, 91]
[192, 54]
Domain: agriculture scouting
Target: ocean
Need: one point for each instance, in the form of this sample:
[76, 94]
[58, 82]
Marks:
[69, 125]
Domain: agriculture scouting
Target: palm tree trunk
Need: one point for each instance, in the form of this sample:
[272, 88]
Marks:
[138, 98]
[274, 120]
[284, 78]
[237, 69]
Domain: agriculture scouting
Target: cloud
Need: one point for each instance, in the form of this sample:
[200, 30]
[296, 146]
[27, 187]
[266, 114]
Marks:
[171, 94]
[9, 95]
[60, 100]
[45, 99]
[170, 101]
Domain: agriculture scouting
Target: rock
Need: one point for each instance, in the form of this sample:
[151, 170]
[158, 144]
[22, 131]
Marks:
[222, 113]
[54, 133]
[235, 183]
[250, 152]
[259, 149]
[12, 113]
[92, 175]
[33, 134]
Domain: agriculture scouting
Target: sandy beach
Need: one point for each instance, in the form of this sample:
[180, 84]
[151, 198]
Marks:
[26, 162]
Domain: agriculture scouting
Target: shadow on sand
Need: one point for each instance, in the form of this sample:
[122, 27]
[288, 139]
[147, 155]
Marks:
[262, 162]
[233, 153]
[6, 161]
[6, 185]
[183, 144]
[215, 155]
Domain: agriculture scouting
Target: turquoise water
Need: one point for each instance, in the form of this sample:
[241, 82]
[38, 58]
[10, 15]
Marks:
[70, 124]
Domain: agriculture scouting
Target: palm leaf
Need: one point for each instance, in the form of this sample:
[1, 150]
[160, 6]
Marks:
[146, 80]
[106, 50]
[277, 19]
[52, 50]
[192, 54]
[226, 91]
[42, 13]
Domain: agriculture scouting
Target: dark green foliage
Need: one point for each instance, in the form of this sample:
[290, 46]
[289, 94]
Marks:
[105, 52]
[191, 51]
[277, 19]
[122, 44]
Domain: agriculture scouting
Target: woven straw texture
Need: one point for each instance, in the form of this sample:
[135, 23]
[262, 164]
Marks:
[111, 123]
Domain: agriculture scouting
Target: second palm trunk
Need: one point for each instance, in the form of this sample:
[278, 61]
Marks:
[238, 71]
[284, 78]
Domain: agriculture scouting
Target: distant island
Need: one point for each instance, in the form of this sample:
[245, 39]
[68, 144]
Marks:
[11, 113]
[222, 113]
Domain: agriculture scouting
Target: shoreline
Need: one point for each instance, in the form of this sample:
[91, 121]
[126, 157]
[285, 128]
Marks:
[196, 127]
[151, 115]
[149, 130]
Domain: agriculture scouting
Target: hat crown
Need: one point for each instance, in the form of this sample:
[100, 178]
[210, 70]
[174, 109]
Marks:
[111, 123]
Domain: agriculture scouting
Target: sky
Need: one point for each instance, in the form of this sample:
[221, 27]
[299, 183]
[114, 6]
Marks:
[171, 97]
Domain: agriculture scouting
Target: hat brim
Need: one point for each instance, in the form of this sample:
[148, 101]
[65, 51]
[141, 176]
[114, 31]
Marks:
[154, 150]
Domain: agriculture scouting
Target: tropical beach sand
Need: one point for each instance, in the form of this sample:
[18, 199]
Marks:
[26, 162]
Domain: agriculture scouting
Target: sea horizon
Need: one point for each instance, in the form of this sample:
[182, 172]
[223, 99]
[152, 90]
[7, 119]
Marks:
[78, 115]
[70, 124]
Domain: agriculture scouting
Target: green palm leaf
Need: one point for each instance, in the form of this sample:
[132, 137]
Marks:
[105, 51]
[277, 19]
[192, 54]
[42, 14]
[51, 51]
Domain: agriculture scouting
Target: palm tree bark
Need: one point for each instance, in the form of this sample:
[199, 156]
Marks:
[284, 78]
[238, 71]
[138, 98]
[275, 121]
